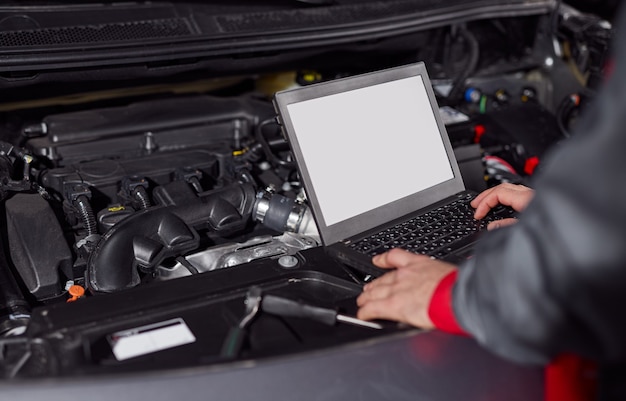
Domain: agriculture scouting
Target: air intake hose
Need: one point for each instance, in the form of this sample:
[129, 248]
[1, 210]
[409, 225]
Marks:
[143, 240]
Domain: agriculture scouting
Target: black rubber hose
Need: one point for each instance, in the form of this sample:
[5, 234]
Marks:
[474, 53]
[564, 113]
[142, 197]
[145, 238]
[6, 170]
[267, 145]
[14, 309]
[87, 215]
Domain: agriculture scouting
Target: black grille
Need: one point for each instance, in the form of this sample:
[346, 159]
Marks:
[320, 16]
[128, 31]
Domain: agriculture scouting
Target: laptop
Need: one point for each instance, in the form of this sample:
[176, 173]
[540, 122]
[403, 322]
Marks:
[374, 156]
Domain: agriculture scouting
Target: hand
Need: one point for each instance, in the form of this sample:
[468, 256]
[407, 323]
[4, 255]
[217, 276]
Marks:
[403, 294]
[515, 196]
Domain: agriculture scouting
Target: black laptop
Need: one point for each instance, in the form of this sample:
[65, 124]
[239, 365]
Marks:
[377, 166]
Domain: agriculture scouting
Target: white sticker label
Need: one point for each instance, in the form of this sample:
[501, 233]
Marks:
[150, 338]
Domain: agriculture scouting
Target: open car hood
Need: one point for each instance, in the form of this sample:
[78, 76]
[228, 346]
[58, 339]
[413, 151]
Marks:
[53, 36]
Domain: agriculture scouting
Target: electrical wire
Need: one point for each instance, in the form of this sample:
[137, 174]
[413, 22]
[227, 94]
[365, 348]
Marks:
[474, 53]
[23, 359]
[483, 104]
[265, 144]
[555, 17]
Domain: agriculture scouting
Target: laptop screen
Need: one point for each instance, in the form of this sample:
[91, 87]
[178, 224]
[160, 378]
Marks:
[381, 150]
[369, 148]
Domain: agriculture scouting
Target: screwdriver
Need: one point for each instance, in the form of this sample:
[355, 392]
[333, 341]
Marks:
[287, 307]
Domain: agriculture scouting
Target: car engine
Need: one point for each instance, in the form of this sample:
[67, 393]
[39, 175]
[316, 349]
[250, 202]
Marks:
[115, 197]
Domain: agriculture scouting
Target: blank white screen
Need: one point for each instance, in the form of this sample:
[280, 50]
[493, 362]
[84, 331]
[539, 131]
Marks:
[370, 146]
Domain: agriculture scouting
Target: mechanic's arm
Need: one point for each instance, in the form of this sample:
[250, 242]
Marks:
[418, 291]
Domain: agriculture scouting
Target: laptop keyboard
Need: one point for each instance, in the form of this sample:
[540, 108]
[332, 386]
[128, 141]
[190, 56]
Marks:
[436, 233]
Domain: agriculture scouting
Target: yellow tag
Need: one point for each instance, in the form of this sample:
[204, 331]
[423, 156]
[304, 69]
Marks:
[116, 208]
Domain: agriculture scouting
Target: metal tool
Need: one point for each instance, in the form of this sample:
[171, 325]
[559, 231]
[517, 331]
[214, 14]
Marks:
[287, 307]
[237, 334]
[279, 306]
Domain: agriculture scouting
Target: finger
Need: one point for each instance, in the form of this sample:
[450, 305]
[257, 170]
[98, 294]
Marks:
[515, 196]
[500, 223]
[375, 293]
[386, 279]
[362, 299]
[487, 192]
[378, 309]
[490, 201]
[397, 258]
[479, 198]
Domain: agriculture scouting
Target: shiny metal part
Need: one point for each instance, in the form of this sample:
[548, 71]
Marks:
[288, 261]
[283, 214]
[262, 205]
[295, 218]
[358, 322]
[228, 255]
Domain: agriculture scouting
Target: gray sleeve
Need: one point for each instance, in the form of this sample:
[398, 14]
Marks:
[556, 281]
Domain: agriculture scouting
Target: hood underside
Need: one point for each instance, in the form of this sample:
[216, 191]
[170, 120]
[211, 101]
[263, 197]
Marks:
[48, 37]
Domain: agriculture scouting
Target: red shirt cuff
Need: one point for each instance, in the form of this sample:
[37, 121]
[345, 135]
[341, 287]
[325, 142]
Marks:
[440, 308]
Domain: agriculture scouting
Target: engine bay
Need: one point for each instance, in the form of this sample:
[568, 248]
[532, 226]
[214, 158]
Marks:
[177, 202]
[155, 190]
